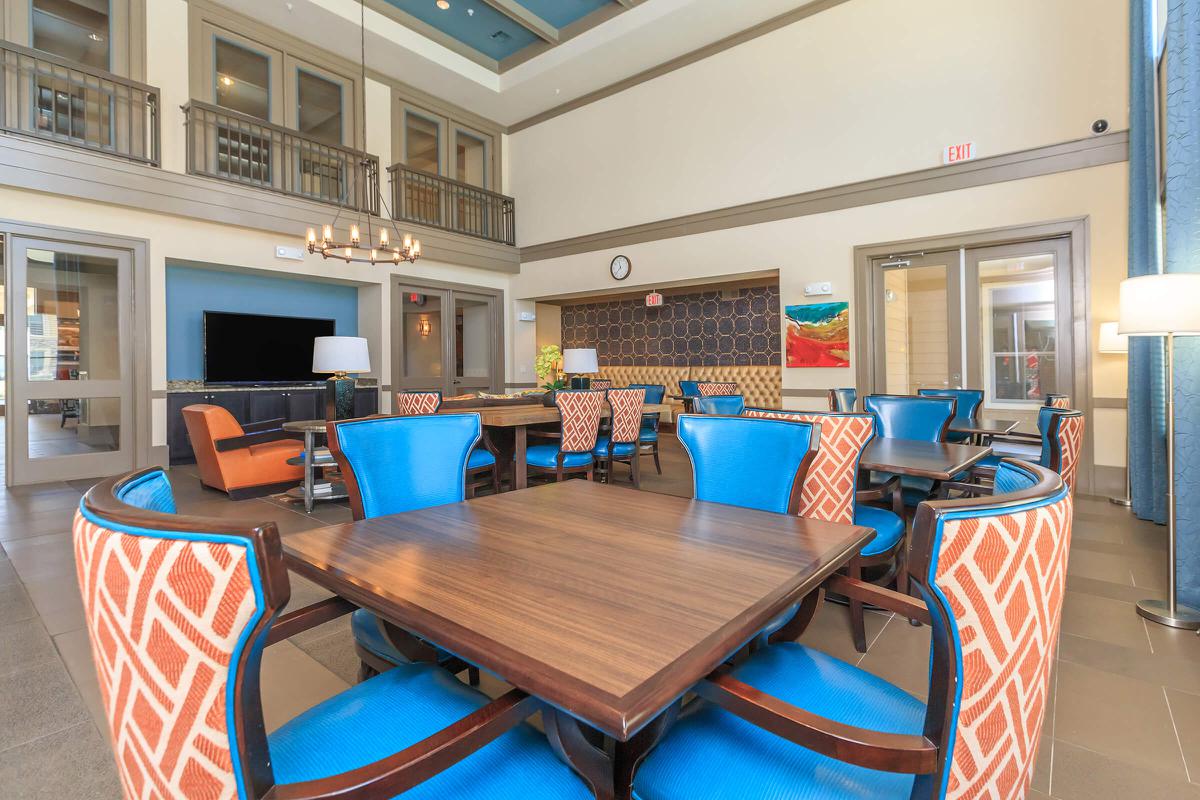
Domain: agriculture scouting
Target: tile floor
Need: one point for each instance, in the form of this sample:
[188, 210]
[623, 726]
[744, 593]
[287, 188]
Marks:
[1124, 722]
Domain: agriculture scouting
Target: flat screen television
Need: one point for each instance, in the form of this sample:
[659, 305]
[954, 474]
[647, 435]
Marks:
[255, 348]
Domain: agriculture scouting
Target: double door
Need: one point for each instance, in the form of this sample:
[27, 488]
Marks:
[445, 339]
[994, 318]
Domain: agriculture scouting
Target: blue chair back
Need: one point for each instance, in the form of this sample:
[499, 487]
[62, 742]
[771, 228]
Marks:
[906, 417]
[749, 462]
[730, 405]
[969, 401]
[841, 401]
[395, 464]
[655, 392]
[149, 491]
[689, 388]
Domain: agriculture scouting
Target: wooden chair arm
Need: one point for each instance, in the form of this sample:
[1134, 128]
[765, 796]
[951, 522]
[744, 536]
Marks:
[980, 471]
[903, 604]
[265, 425]
[399, 772]
[968, 489]
[302, 619]
[890, 752]
[242, 442]
[889, 491]
[1018, 437]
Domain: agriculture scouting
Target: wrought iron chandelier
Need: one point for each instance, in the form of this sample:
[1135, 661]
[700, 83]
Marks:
[397, 249]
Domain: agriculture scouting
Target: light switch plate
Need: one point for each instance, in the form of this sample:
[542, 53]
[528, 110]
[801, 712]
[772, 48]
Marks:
[817, 289]
[292, 253]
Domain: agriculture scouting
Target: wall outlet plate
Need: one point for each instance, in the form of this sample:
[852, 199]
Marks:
[291, 253]
[817, 289]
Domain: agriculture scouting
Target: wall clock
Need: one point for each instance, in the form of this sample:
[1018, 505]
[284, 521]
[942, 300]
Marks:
[620, 268]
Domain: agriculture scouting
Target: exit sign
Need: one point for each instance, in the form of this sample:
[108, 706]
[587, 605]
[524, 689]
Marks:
[654, 299]
[954, 153]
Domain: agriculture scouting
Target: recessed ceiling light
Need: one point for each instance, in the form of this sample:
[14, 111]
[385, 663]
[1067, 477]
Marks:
[443, 4]
[95, 37]
[226, 80]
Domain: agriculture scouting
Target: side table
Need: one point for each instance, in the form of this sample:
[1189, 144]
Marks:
[311, 460]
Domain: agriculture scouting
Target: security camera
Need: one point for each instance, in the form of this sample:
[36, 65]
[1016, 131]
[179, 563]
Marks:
[1100, 126]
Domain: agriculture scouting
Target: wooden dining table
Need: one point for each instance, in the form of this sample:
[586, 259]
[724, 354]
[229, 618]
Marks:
[517, 419]
[984, 427]
[940, 461]
[605, 602]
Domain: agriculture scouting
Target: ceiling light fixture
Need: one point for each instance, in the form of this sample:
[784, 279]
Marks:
[226, 80]
[443, 4]
[95, 37]
[395, 250]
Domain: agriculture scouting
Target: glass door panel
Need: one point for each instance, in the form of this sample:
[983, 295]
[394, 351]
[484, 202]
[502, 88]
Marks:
[918, 346]
[69, 307]
[473, 342]
[421, 345]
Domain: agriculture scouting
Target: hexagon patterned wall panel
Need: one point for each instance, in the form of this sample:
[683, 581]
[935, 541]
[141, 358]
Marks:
[700, 329]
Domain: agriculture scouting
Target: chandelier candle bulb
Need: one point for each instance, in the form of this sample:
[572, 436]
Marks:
[407, 242]
[327, 233]
[354, 237]
[374, 256]
[416, 248]
[383, 238]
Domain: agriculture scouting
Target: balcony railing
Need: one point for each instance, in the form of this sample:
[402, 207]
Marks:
[51, 98]
[242, 149]
[425, 199]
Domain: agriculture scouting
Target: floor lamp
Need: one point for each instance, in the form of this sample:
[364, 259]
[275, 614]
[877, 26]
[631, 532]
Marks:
[1164, 304]
[1113, 342]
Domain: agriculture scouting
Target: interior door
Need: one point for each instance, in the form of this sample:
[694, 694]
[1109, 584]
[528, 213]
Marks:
[446, 340]
[474, 336]
[919, 343]
[70, 413]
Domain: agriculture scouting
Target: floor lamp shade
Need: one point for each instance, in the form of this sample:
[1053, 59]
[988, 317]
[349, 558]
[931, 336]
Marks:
[339, 355]
[1164, 304]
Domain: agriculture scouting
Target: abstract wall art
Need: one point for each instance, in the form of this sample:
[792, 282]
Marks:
[818, 335]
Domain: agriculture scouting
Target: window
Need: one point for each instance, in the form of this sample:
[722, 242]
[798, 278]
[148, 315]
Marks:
[242, 79]
[77, 30]
[319, 110]
[422, 143]
[470, 159]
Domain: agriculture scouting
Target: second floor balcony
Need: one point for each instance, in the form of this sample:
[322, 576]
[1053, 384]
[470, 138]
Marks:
[48, 97]
[440, 202]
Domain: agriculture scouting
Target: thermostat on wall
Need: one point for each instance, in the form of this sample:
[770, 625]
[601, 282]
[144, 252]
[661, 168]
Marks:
[816, 289]
[293, 253]
[527, 316]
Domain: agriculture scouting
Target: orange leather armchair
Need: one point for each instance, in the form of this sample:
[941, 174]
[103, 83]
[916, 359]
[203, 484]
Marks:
[243, 462]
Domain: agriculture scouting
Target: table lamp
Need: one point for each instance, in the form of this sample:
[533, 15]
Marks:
[1113, 342]
[339, 355]
[1164, 304]
[576, 362]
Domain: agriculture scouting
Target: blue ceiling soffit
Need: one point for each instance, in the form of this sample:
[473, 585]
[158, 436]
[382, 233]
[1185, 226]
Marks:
[484, 29]
[561, 13]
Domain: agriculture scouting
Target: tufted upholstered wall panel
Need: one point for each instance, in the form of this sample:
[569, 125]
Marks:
[762, 386]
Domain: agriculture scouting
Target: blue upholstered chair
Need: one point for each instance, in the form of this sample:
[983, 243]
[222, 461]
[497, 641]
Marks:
[793, 723]
[655, 393]
[621, 443]
[841, 401]
[749, 462]
[570, 450]
[730, 405]
[924, 419]
[689, 388]
[481, 466]
[392, 465]
[230, 579]
[967, 411]
[1060, 438]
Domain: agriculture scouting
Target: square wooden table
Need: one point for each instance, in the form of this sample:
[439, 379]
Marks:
[940, 461]
[606, 602]
[984, 427]
[519, 418]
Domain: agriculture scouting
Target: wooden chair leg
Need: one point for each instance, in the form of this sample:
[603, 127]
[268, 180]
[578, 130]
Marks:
[657, 465]
[496, 479]
[473, 675]
[635, 470]
[858, 626]
[608, 472]
[470, 490]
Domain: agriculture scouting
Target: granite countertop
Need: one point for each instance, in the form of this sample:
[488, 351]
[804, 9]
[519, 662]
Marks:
[174, 387]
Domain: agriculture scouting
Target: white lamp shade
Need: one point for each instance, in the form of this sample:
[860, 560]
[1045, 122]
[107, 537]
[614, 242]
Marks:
[340, 354]
[1110, 340]
[578, 360]
[1155, 305]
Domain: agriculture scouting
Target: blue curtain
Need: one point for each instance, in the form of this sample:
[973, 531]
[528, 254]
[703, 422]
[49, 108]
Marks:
[1147, 387]
[1183, 255]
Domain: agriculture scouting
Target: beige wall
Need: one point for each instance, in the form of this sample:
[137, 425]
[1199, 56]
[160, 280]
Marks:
[862, 90]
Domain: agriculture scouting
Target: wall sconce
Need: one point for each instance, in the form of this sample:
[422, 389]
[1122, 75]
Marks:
[424, 326]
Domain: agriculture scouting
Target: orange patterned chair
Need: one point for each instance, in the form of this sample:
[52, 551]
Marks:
[580, 412]
[792, 721]
[1058, 400]
[414, 403]
[179, 610]
[717, 388]
[243, 461]
[481, 467]
[622, 441]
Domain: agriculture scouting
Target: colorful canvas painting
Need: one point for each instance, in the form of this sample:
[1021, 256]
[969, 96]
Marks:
[818, 335]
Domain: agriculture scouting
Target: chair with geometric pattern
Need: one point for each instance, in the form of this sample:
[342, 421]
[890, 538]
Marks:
[600, 384]
[792, 722]
[729, 405]
[842, 401]
[655, 393]
[1061, 441]
[830, 494]
[571, 452]
[620, 444]
[716, 388]
[1058, 400]
[179, 610]
[481, 466]
[392, 465]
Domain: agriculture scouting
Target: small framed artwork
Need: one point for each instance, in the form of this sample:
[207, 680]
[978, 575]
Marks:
[818, 335]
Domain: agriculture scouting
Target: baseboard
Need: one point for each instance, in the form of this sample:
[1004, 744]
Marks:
[1110, 481]
[160, 456]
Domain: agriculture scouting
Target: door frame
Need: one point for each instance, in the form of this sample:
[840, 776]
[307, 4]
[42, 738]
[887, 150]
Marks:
[1078, 233]
[141, 430]
[395, 334]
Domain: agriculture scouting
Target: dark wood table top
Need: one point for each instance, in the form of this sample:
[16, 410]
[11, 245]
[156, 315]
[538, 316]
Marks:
[517, 416]
[938, 460]
[607, 602]
[984, 427]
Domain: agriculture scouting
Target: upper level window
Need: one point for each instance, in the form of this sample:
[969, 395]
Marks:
[470, 159]
[319, 110]
[422, 141]
[242, 79]
[78, 30]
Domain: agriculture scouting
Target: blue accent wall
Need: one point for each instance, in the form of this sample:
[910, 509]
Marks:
[193, 290]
